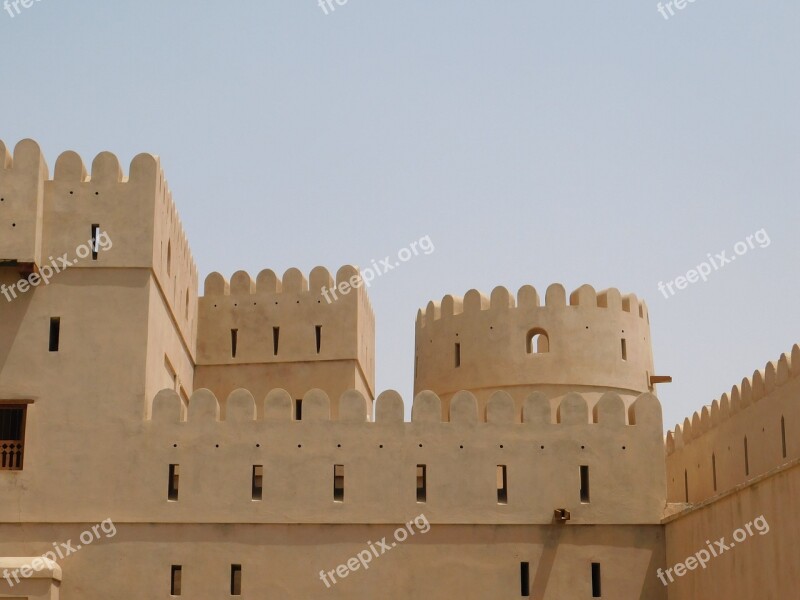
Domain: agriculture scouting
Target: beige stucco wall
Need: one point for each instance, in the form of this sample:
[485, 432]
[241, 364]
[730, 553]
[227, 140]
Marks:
[295, 305]
[47, 217]
[120, 315]
[763, 566]
[42, 582]
[585, 333]
[85, 397]
[283, 561]
[380, 458]
[765, 481]
[22, 185]
[167, 352]
[752, 410]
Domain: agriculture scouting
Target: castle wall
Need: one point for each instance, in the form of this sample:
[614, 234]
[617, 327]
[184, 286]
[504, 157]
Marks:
[708, 451]
[473, 562]
[120, 314]
[148, 375]
[380, 458]
[762, 565]
[287, 335]
[729, 483]
[45, 218]
[169, 362]
[297, 378]
[86, 397]
[21, 197]
[483, 344]
[43, 583]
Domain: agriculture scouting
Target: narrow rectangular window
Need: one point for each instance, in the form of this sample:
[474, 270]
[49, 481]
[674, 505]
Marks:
[12, 437]
[175, 580]
[525, 579]
[714, 470]
[318, 332]
[502, 485]
[258, 482]
[783, 437]
[174, 478]
[596, 580]
[686, 484]
[95, 240]
[746, 458]
[236, 580]
[55, 333]
[338, 483]
[276, 333]
[584, 483]
[234, 342]
[624, 349]
[422, 483]
[458, 355]
[298, 410]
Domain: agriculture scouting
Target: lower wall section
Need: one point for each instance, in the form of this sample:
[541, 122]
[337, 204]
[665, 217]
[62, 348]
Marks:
[284, 561]
[763, 564]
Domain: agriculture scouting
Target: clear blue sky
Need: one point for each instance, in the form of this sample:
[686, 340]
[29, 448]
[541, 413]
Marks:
[573, 142]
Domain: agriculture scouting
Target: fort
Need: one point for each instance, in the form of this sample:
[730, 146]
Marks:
[238, 445]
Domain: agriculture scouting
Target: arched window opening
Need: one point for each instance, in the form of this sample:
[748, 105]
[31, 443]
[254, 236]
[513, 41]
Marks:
[537, 342]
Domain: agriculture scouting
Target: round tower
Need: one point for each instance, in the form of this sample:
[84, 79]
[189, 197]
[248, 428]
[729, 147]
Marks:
[591, 343]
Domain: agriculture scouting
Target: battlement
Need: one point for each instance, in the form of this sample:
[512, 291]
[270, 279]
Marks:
[22, 179]
[593, 343]
[216, 442]
[745, 433]
[250, 329]
[241, 406]
[293, 281]
[752, 389]
[293, 311]
[42, 217]
[501, 300]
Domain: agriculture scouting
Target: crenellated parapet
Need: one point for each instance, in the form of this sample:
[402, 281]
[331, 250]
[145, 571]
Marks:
[573, 409]
[745, 433]
[281, 319]
[216, 442]
[590, 341]
[527, 297]
[42, 218]
[22, 179]
[252, 330]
